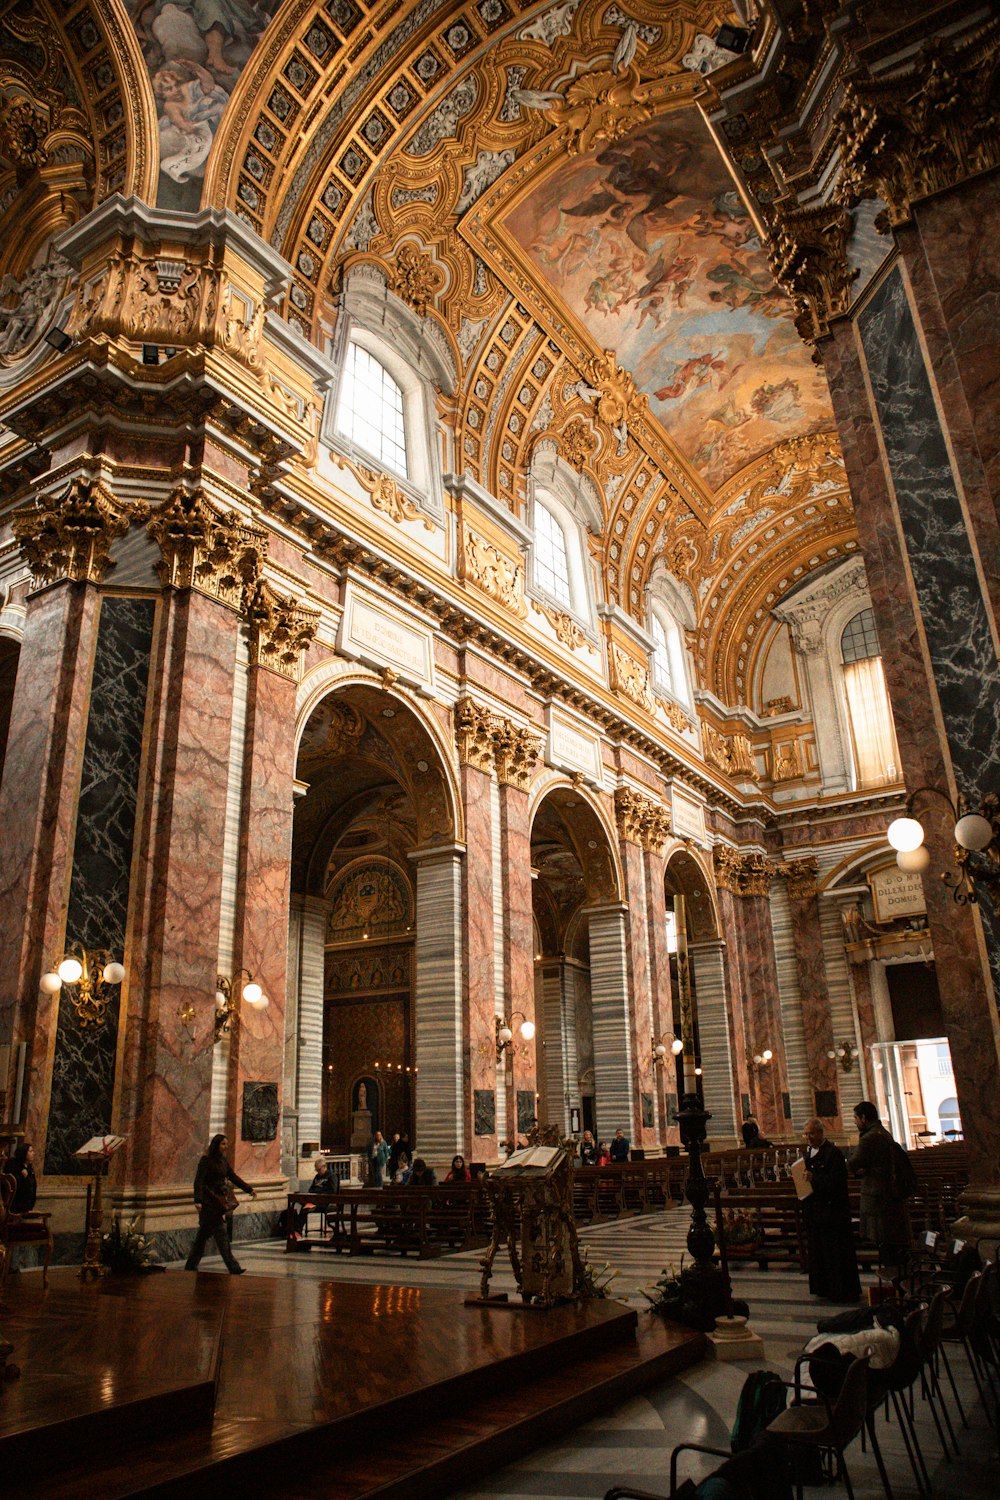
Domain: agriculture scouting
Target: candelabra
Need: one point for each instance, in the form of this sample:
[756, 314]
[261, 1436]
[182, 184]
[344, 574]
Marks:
[977, 845]
[846, 1053]
[505, 1034]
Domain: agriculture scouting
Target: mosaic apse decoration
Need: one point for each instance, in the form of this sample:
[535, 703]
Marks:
[260, 1112]
[83, 1064]
[650, 246]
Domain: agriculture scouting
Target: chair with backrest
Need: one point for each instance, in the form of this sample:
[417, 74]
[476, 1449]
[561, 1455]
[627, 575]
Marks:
[827, 1426]
[21, 1229]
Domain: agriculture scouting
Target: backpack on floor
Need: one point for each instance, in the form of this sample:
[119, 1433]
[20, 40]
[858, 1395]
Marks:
[762, 1398]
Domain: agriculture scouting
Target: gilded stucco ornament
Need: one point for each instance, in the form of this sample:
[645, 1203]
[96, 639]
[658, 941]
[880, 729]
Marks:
[568, 632]
[640, 820]
[389, 498]
[731, 754]
[599, 108]
[279, 630]
[515, 752]
[801, 877]
[495, 573]
[808, 257]
[208, 548]
[616, 400]
[786, 764]
[474, 734]
[414, 278]
[744, 873]
[631, 678]
[577, 442]
[69, 536]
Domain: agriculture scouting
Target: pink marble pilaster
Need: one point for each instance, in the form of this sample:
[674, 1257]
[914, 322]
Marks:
[728, 905]
[807, 940]
[764, 1023]
[659, 988]
[865, 1002]
[478, 984]
[518, 937]
[963, 978]
[38, 802]
[262, 897]
[640, 1010]
[177, 893]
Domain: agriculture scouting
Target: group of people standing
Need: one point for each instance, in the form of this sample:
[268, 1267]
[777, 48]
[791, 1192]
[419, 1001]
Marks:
[887, 1181]
[602, 1153]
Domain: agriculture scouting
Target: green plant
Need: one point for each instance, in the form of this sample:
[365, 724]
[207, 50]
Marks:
[123, 1248]
[597, 1280]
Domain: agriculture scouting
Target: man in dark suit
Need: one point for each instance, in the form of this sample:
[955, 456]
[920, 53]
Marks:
[619, 1146]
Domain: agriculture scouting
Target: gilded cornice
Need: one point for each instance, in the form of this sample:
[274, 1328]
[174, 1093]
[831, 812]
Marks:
[207, 548]
[744, 874]
[69, 536]
[279, 631]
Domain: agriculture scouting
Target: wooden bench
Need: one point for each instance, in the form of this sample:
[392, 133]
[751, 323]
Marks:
[425, 1222]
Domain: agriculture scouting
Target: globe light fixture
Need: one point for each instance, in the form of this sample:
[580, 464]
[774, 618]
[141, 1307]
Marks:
[905, 834]
[914, 861]
[977, 845]
[228, 990]
[90, 974]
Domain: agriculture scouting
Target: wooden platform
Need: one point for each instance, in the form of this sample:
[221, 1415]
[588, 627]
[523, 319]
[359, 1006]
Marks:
[320, 1387]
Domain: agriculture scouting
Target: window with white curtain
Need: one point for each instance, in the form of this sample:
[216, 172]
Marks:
[669, 659]
[876, 754]
[370, 412]
[551, 559]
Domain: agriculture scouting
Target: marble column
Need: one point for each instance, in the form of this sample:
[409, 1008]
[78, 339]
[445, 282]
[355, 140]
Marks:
[936, 628]
[765, 1025]
[659, 989]
[38, 817]
[614, 1095]
[864, 1001]
[169, 1043]
[479, 1140]
[304, 1050]
[642, 1018]
[741, 1083]
[556, 1002]
[518, 950]
[261, 929]
[807, 940]
[439, 1031]
[708, 970]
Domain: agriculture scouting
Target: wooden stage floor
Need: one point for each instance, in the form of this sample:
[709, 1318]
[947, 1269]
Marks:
[320, 1388]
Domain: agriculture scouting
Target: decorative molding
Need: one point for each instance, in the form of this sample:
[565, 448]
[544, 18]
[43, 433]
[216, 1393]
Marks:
[808, 257]
[516, 751]
[801, 877]
[577, 442]
[496, 574]
[731, 754]
[631, 678]
[207, 548]
[745, 874]
[388, 497]
[678, 720]
[413, 278]
[568, 632]
[786, 764]
[70, 535]
[280, 630]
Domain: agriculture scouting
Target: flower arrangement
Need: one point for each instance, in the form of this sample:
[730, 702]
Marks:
[124, 1249]
[669, 1299]
[597, 1280]
[742, 1230]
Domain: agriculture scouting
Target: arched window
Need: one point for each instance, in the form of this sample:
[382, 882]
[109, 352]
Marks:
[876, 754]
[370, 411]
[670, 674]
[551, 572]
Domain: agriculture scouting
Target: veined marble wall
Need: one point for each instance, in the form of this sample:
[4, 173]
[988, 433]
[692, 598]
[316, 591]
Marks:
[949, 594]
[230, 872]
[800, 1089]
[83, 1066]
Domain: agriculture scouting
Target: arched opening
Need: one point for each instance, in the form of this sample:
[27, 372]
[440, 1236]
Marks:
[10, 655]
[581, 998]
[373, 806]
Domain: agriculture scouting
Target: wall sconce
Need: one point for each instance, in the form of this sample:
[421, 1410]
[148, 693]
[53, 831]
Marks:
[758, 1060]
[505, 1031]
[389, 1067]
[846, 1054]
[227, 999]
[977, 845]
[673, 1045]
[91, 973]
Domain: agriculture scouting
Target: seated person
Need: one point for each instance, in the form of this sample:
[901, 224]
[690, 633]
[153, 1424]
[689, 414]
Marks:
[20, 1167]
[752, 1138]
[459, 1171]
[324, 1180]
[619, 1146]
[420, 1174]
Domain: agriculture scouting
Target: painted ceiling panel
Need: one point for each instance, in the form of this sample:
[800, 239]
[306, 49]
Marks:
[649, 245]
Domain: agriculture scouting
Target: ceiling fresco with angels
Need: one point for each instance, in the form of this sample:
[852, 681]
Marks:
[649, 245]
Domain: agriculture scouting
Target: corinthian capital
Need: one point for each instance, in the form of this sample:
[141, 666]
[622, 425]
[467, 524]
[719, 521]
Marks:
[207, 548]
[808, 257]
[515, 751]
[474, 734]
[70, 535]
[280, 630]
[744, 873]
[801, 877]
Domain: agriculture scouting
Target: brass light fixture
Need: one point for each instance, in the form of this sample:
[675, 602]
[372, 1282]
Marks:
[977, 846]
[846, 1053]
[505, 1032]
[228, 990]
[91, 974]
[672, 1044]
[758, 1060]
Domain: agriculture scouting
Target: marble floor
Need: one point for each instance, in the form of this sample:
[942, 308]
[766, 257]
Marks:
[633, 1442]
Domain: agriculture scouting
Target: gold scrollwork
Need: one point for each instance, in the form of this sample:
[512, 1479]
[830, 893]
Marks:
[70, 535]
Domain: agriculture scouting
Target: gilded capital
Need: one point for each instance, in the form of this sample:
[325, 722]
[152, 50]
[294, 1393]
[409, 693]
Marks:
[515, 751]
[280, 630]
[474, 734]
[801, 876]
[207, 548]
[640, 820]
[744, 873]
[70, 535]
[808, 257]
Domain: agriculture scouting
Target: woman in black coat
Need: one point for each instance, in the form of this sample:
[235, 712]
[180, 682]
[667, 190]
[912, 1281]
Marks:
[215, 1200]
[20, 1167]
[833, 1265]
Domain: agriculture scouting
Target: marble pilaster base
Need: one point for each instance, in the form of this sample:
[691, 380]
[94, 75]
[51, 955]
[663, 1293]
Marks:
[733, 1340]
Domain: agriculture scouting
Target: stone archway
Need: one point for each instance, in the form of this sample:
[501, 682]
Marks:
[375, 950]
[581, 981]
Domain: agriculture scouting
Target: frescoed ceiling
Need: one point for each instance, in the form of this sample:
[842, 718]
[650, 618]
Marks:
[649, 246]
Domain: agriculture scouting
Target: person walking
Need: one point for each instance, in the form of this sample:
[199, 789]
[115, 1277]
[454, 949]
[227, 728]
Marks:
[833, 1264]
[379, 1158]
[887, 1180]
[215, 1201]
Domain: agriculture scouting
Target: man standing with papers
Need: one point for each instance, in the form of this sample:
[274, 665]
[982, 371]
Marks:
[820, 1179]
